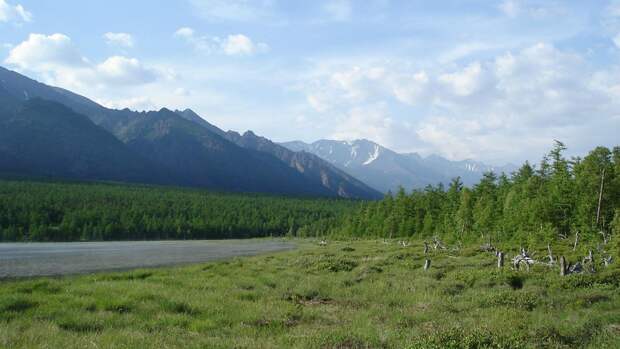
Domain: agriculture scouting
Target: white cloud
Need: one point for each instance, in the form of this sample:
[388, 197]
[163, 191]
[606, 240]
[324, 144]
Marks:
[240, 44]
[125, 71]
[374, 121]
[616, 40]
[232, 45]
[10, 13]
[499, 109]
[59, 62]
[44, 52]
[413, 89]
[465, 82]
[184, 32]
[119, 39]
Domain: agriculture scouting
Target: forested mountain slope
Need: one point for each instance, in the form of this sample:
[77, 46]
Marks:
[180, 147]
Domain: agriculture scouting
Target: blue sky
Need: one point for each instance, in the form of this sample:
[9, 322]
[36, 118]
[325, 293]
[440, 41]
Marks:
[490, 80]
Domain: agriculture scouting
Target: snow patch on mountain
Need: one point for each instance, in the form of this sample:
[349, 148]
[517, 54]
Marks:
[374, 156]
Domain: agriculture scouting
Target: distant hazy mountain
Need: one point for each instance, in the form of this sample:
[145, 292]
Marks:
[385, 170]
[315, 169]
[176, 147]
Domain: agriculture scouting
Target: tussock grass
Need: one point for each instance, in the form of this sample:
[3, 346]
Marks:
[360, 294]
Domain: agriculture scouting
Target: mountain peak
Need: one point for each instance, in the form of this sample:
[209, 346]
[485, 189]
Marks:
[385, 169]
[250, 133]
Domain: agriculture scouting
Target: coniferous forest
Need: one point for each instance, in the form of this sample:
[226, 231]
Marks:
[52, 211]
[559, 197]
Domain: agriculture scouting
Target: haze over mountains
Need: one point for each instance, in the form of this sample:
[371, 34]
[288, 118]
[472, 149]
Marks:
[51, 132]
[386, 170]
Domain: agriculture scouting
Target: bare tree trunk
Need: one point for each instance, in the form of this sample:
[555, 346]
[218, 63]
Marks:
[425, 247]
[576, 240]
[590, 260]
[600, 197]
[551, 259]
[427, 264]
[562, 266]
[500, 259]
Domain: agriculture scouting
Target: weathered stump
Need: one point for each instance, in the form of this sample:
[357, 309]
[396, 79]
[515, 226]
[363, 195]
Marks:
[427, 264]
[500, 259]
[563, 266]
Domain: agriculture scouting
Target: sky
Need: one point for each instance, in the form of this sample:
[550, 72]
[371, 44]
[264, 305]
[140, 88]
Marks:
[495, 81]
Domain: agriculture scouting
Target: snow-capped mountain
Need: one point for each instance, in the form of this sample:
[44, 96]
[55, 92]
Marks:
[386, 170]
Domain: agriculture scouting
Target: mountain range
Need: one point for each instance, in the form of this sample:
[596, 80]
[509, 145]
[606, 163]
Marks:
[52, 132]
[47, 131]
[386, 170]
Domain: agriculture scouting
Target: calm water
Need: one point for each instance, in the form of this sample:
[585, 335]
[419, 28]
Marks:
[38, 259]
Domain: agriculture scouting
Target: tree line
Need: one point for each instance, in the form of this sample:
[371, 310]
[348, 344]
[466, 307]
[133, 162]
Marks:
[52, 211]
[558, 198]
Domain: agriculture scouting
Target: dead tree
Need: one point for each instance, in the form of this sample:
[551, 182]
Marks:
[427, 264]
[589, 260]
[437, 244]
[605, 237]
[425, 247]
[551, 259]
[523, 258]
[500, 259]
[575, 268]
[607, 261]
[488, 247]
[563, 266]
[576, 240]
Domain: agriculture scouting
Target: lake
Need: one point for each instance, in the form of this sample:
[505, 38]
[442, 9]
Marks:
[47, 259]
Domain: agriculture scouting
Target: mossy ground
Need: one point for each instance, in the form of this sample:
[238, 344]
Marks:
[357, 294]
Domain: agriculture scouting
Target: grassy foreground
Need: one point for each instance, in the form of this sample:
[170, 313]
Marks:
[363, 294]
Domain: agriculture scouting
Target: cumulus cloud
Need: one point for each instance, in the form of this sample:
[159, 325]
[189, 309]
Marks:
[525, 97]
[125, 71]
[119, 39]
[13, 13]
[184, 32]
[231, 45]
[239, 44]
[372, 121]
[45, 52]
[465, 82]
[59, 62]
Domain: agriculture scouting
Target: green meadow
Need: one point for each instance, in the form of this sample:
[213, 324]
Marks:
[347, 294]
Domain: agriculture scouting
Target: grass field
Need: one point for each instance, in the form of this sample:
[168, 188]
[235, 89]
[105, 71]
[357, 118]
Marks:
[362, 294]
